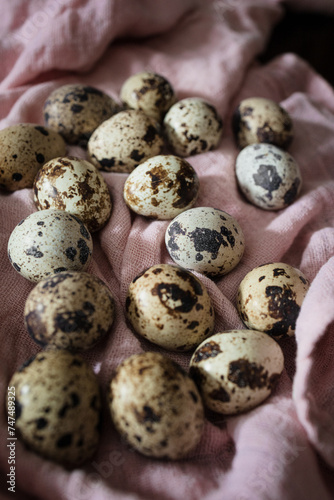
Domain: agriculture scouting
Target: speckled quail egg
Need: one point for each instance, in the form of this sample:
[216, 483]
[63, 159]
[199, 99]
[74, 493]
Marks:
[257, 119]
[150, 92]
[270, 297]
[76, 110]
[58, 407]
[192, 126]
[268, 176]
[205, 239]
[236, 370]
[47, 242]
[69, 310]
[24, 148]
[161, 187]
[125, 140]
[76, 186]
[170, 307]
[156, 406]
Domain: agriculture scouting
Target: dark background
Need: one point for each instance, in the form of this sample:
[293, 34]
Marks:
[310, 35]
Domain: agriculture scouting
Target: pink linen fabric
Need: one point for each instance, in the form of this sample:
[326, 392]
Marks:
[285, 447]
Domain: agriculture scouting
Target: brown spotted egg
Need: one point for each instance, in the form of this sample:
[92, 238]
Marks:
[236, 370]
[47, 242]
[150, 92]
[125, 140]
[24, 148]
[192, 126]
[161, 187]
[268, 176]
[206, 240]
[156, 406]
[76, 110]
[270, 297]
[76, 186]
[58, 407]
[170, 307]
[69, 310]
[257, 120]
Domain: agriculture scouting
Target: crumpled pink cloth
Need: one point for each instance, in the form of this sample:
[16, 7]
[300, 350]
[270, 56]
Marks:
[285, 447]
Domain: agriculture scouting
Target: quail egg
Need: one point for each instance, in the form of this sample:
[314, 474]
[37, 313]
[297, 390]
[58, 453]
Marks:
[150, 92]
[24, 148]
[257, 119]
[58, 407]
[47, 242]
[268, 176]
[192, 126]
[69, 310]
[270, 297]
[236, 370]
[170, 307]
[161, 187]
[76, 186]
[76, 110]
[125, 140]
[205, 239]
[156, 406]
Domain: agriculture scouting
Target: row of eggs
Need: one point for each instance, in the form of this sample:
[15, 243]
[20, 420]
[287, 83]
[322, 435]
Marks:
[253, 361]
[156, 406]
[120, 137]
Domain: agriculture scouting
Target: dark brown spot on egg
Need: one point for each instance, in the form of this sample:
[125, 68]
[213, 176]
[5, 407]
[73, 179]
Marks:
[208, 350]
[42, 130]
[283, 307]
[220, 395]
[146, 415]
[17, 177]
[64, 441]
[291, 194]
[174, 298]
[150, 134]
[247, 374]
[41, 423]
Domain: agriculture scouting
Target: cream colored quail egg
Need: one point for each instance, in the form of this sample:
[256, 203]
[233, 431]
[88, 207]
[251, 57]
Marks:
[156, 406]
[161, 187]
[58, 407]
[192, 126]
[257, 120]
[205, 239]
[125, 140]
[69, 310]
[268, 176]
[47, 242]
[270, 297]
[76, 110]
[149, 92]
[24, 148]
[76, 186]
[236, 370]
[170, 307]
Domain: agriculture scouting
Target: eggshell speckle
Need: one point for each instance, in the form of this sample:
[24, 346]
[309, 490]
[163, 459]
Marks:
[192, 126]
[170, 307]
[76, 186]
[150, 92]
[125, 140]
[236, 370]
[76, 110]
[58, 407]
[268, 176]
[257, 119]
[24, 148]
[47, 242]
[69, 310]
[161, 187]
[270, 297]
[156, 406]
[205, 239]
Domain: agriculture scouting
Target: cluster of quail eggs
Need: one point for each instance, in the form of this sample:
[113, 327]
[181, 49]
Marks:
[267, 175]
[155, 405]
